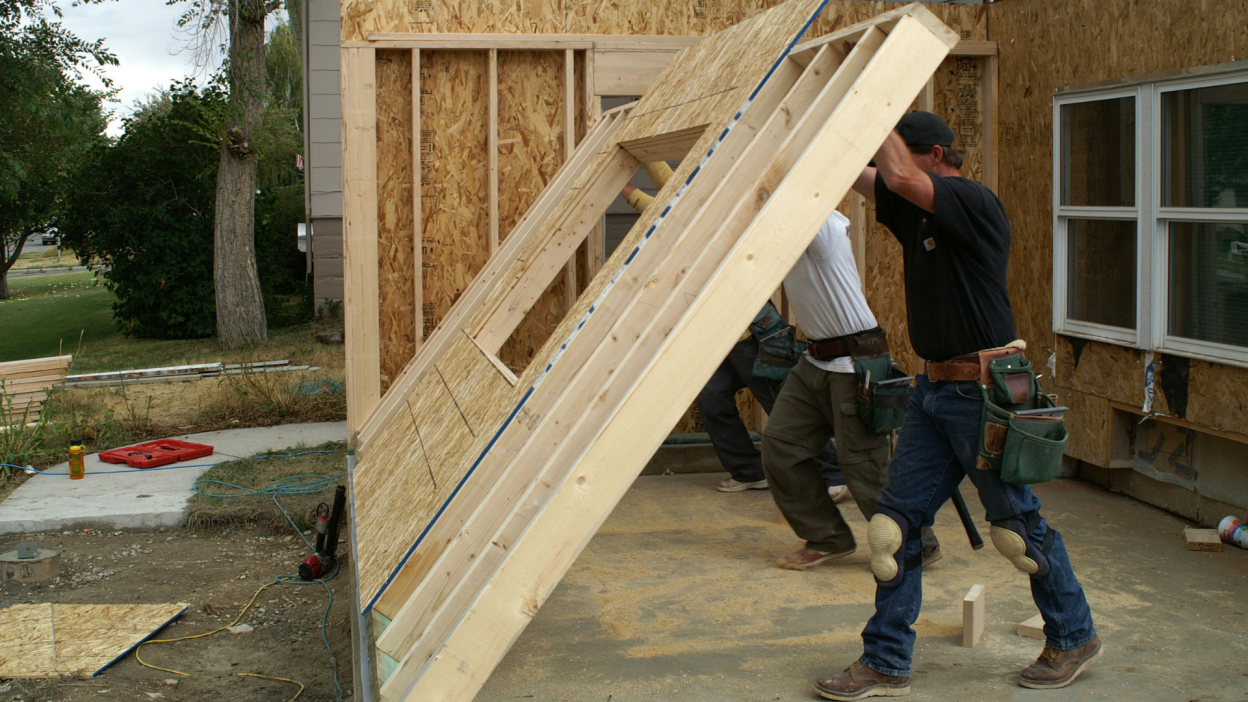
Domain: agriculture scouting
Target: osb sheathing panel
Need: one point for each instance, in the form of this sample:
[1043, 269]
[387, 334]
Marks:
[396, 271]
[454, 124]
[1085, 420]
[50, 640]
[530, 151]
[460, 404]
[1047, 44]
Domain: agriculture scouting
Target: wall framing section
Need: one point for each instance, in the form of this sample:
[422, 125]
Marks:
[500, 479]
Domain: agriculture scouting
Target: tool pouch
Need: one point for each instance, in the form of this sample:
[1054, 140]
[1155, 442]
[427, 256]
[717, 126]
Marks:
[779, 349]
[880, 408]
[1026, 449]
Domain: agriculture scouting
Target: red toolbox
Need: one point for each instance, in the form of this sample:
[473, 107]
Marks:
[156, 453]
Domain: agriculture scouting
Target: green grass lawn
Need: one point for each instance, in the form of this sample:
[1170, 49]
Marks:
[46, 315]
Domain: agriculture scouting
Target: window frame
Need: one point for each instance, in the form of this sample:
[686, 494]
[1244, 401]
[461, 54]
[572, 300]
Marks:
[1063, 324]
[1152, 219]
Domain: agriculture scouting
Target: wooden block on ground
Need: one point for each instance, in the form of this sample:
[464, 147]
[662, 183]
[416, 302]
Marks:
[1032, 628]
[973, 616]
[1202, 539]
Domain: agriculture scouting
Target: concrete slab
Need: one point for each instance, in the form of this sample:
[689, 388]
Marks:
[677, 599]
[116, 497]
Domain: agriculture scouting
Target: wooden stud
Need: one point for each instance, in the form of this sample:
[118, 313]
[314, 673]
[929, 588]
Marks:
[595, 248]
[858, 226]
[989, 116]
[1202, 539]
[1033, 628]
[927, 98]
[973, 616]
[569, 143]
[417, 215]
[359, 232]
[523, 42]
[492, 147]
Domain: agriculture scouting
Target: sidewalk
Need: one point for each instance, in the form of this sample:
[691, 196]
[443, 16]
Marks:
[148, 499]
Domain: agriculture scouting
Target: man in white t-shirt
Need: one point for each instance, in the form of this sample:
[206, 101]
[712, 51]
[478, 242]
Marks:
[820, 400]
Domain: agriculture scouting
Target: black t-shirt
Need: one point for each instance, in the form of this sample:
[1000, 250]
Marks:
[955, 263]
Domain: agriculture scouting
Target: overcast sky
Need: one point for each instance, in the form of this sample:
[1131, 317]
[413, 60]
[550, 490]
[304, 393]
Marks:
[143, 35]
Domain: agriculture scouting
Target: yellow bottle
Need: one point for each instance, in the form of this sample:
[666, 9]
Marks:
[77, 469]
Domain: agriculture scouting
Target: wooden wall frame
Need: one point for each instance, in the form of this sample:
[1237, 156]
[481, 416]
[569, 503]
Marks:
[501, 480]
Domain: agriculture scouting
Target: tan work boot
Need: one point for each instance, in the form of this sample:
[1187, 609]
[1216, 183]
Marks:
[809, 558]
[1054, 668]
[859, 682]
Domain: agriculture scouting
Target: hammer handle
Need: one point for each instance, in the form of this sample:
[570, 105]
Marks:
[967, 523]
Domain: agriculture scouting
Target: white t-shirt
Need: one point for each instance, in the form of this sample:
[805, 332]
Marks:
[825, 291]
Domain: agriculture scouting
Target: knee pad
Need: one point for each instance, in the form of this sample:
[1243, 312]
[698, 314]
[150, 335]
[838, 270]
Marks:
[887, 535]
[1009, 536]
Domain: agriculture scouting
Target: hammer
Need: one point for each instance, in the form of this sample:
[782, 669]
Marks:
[967, 523]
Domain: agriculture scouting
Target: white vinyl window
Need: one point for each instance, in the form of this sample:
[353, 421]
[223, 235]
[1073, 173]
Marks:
[1150, 213]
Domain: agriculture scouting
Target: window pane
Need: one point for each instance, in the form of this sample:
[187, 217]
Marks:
[1205, 147]
[1098, 153]
[1101, 272]
[1209, 281]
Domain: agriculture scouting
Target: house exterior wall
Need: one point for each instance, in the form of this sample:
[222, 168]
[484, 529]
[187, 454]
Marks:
[325, 148]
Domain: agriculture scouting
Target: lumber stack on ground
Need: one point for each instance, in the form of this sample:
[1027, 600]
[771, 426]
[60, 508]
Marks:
[24, 387]
[474, 489]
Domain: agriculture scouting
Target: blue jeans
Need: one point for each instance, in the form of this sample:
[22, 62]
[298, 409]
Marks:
[717, 404]
[937, 447]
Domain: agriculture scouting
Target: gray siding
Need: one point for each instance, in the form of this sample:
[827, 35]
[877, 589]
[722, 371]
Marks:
[325, 109]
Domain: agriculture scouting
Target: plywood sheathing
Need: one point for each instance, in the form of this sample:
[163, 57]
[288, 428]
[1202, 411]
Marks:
[396, 227]
[454, 123]
[51, 640]
[531, 135]
[1044, 46]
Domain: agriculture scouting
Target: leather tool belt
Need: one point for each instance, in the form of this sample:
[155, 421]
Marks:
[872, 343]
[972, 366]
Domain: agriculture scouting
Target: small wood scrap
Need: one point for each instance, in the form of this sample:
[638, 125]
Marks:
[1202, 539]
[1032, 628]
[47, 640]
[973, 616]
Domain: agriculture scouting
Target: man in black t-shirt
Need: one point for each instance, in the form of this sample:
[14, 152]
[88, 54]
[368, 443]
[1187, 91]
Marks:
[955, 241]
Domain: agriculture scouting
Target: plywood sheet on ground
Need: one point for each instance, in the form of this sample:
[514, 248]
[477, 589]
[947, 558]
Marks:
[50, 640]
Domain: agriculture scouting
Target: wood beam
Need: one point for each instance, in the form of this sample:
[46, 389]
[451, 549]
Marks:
[362, 318]
[989, 149]
[417, 216]
[664, 147]
[569, 143]
[492, 147]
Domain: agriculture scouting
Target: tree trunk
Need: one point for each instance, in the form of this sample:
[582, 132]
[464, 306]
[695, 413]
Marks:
[4, 284]
[240, 307]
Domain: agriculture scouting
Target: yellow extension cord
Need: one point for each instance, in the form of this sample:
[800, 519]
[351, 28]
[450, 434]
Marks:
[210, 633]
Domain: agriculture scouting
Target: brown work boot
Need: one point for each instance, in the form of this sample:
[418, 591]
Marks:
[809, 558]
[1054, 668]
[859, 682]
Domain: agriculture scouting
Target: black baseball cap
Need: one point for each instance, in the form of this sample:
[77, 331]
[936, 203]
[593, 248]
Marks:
[924, 129]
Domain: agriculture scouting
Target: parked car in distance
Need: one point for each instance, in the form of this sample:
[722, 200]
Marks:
[52, 234]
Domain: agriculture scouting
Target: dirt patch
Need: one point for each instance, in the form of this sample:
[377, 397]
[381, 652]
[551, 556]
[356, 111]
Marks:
[216, 574]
